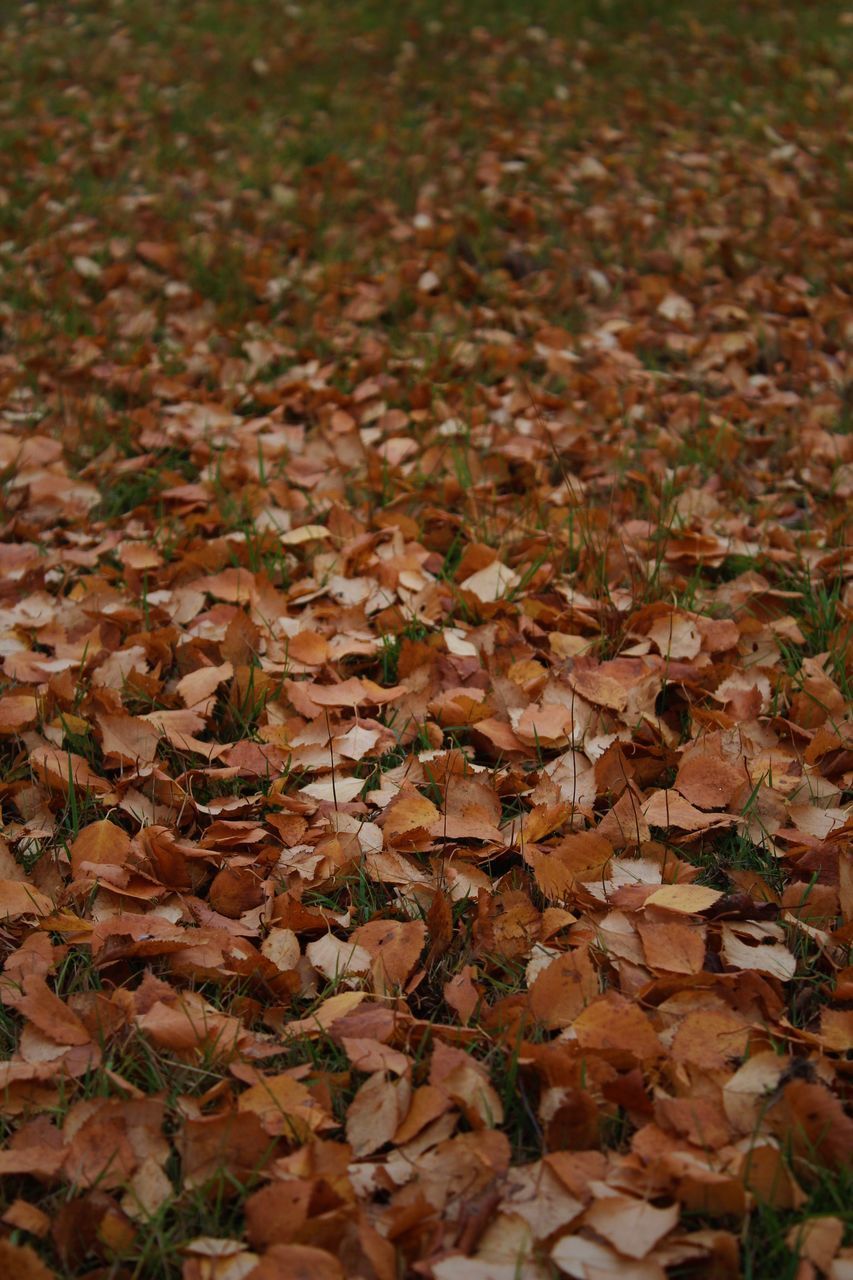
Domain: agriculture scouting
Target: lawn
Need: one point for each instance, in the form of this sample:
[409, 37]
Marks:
[425, 632]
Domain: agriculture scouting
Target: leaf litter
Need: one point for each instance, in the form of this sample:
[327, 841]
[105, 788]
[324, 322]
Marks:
[425, 613]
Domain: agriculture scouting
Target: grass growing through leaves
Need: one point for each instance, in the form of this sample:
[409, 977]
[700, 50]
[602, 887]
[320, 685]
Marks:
[766, 1250]
[274, 180]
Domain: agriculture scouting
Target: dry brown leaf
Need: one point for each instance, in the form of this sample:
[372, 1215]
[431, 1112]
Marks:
[688, 899]
[376, 1113]
[284, 1106]
[462, 993]
[295, 1262]
[46, 1011]
[128, 740]
[708, 781]
[673, 947]
[563, 988]
[99, 843]
[585, 1259]
[772, 957]
[633, 1227]
[491, 583]
[57, 768]
[394, 948]
[18, 711]
[21, 1215]
[667, 809]
[817, 1239]
[409, 820]
[814, 1123]
[20, 1262]
[351, 693]
[18, 898]
[617, 1029]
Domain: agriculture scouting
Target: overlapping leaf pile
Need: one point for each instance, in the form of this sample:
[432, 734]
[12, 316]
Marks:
[425, 691]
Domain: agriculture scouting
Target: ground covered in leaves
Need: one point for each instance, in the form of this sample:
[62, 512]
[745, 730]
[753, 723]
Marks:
[425, 626]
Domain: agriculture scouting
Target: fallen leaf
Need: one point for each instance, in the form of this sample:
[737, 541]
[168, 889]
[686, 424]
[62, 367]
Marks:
[585, 1259]
[689, 899]
[376, 1112]
[491, 583]
[284, 1106]
[101, 842]
[633, 1227]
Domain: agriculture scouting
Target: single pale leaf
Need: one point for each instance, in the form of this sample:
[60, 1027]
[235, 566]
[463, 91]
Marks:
[686, 898]
[376, 1112]
[492, 583]
[285, 1106]
[632, 1226]
[100, 842]
[17, 898]
[585, 1259]
[18, 711]
[772, 958]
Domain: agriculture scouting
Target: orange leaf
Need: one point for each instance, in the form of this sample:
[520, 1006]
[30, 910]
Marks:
[100, 842]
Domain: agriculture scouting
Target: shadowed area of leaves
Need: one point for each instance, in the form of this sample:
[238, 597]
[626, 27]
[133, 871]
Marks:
[425, 631]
